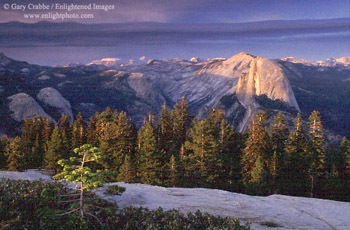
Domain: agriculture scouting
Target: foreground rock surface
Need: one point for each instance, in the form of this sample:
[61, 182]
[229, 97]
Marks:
[286, 211]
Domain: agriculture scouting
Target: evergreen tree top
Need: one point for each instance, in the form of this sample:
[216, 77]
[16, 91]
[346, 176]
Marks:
[315, 124]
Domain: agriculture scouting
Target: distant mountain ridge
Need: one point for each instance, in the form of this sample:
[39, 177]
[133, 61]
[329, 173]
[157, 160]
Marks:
[329, 62]
[240, 86]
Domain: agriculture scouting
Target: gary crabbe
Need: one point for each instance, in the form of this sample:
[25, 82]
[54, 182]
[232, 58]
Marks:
[57, 6]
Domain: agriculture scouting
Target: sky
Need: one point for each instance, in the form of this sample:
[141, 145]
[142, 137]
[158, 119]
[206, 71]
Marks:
[183, 11]
[326, 38]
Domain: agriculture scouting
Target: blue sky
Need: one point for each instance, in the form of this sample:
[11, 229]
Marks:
[197, 11]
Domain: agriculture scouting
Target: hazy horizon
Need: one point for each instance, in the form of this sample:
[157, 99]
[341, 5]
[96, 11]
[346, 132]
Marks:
[61, 43]
[311, 29]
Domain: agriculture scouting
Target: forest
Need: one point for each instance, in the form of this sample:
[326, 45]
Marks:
[177, 150]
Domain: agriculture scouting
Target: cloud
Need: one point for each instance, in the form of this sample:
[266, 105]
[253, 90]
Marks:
[125, 10]
[197, 11]
[153, 10]
[142, 58]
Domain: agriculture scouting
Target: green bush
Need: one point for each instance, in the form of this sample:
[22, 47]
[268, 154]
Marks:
[114, 190]
[39, 205]
[270, 224]
[142, 218]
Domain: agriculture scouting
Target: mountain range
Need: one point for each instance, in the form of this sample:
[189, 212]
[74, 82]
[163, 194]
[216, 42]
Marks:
[240, 86]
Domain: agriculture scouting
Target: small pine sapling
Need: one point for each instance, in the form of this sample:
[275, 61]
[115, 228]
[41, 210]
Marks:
[78, 170]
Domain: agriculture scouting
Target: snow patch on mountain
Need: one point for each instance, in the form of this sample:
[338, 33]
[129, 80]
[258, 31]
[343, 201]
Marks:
[53, 98]
[195, 59]
[342, 60]
[329, 62]
[25, 70]
[109, 62]
[60, 75]
[44, 77]
[24, 106]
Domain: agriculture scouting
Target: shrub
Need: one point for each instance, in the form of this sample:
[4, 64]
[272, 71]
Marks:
[39, 205]
[143, 218]
[270, 224]
[114, 190]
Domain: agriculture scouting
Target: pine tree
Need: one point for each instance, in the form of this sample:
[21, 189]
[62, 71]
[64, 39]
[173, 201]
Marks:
[260, 177]
[345, 149]
[150, 165]
[65, 129]
[127, 172]
[279, 136]
[257, 153]
[172, 172]
[117, 137]
[34, 137]
[91, 132]
[218, 133]
[348, 161]
[15, 156]
[165, 131]
[231, 145]
[3, 157]
[194, 160]
[78, 131]
[182, 122]
[295, 172]
[34, 140]
[107, 130]
[127, 139]
[225, 155]
[207, 150]
[57, 150]
[77, 170]
[317, 149]
[334, 184]
[180, 166]
[165, 138]
[342, 164]
[47, 132]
